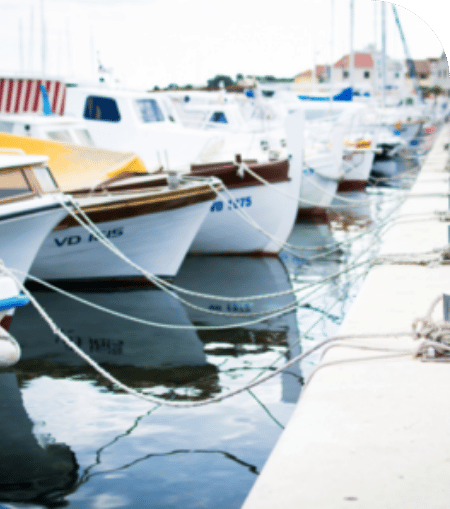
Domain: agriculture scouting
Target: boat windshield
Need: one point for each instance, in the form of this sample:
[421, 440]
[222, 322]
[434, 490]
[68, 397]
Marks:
[84, 137]
[61, 135]
[219, 117]
[148, 110]
[13, 184]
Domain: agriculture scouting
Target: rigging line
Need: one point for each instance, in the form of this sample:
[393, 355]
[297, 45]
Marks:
[376, 230]
[304, 334]
[293, 307]
[246, 217]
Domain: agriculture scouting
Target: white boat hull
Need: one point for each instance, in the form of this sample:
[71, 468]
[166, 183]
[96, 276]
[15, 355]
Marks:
[225, 231]
[157, 242]
[358, 166]
[316, 190]
[23, 228]
[22, 232]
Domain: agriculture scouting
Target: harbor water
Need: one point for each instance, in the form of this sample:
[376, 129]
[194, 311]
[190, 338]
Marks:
[72, 439]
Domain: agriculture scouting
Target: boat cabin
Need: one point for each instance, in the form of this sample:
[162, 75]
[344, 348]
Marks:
[145, 123]
[24, 176]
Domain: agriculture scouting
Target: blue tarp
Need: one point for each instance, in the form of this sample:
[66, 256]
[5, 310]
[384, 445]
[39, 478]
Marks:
[344, 95]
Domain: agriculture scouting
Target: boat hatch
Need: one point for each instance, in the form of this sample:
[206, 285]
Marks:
[148, 110]
[101, 108]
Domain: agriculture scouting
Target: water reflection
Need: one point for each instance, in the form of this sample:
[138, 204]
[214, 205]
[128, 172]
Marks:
[30, 471]
[140, 355]
[245, 277]
[115, 436]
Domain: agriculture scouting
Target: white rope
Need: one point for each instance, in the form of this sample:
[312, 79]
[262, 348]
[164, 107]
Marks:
[155, 400]
[160, 283]
[274, 313]
[433, 257]
[165, 286]
[298, 199]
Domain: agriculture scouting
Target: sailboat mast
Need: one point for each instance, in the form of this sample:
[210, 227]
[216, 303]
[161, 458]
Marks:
[383, 53]
[43, 55]
[352, 51]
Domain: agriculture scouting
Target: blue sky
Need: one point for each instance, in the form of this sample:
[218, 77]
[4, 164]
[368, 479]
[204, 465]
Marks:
[157, 42]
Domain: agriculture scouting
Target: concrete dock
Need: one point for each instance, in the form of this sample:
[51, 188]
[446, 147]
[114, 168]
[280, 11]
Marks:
[372, 430]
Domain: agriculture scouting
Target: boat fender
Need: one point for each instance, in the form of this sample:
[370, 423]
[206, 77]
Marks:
[14, 302]
[9, 349]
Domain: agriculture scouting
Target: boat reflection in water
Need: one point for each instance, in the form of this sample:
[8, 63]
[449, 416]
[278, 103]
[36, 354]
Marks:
[139, 355]
[238, 277]
[30, 470]
[175, 364]
[146, 357]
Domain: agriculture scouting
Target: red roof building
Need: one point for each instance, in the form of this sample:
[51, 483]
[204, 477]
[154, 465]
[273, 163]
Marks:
[361, 60]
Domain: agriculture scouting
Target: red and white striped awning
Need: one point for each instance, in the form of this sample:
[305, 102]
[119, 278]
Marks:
[19, 95]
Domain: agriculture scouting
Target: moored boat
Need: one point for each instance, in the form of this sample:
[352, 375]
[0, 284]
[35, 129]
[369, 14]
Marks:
[30, 206]
[268, 215]
[153, 227]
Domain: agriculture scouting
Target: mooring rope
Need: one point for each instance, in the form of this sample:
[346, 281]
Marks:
[159, 401]
[440, 337]
[158, 282]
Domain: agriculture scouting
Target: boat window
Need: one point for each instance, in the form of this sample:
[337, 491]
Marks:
[62, 135]
[219, 116]
[12, 184]
[84, 137]
[6, 127]
[148, 110]
[101, 108]
[45, 179]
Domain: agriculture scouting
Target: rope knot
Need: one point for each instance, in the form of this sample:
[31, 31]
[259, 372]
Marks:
[435, 338]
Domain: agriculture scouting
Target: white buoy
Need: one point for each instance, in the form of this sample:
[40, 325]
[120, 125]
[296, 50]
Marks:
[9, 349]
